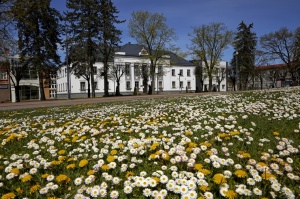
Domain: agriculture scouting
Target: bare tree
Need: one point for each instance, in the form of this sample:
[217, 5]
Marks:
[151, 31]
[116, 71]
[208, 44]
[282, 45]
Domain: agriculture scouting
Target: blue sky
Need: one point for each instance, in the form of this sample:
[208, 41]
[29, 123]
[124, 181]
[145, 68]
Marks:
[266, 15]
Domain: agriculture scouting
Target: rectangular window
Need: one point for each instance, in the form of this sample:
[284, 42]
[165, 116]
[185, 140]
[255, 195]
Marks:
[96, 85]
[181, 72]
[223, 86]
[127, 69]
[181, 84]
[128, 86]
[82, 86]
[160, 85]
[95, 70]
[173, 84]
[3, 75]
[188, 73]
[160, 70]
[189, 85]
[52, 94]
[173, 72]
[136, 84]
[136, 70]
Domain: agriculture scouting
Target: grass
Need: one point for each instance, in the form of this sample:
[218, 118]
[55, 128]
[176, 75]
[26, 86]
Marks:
[239, 145]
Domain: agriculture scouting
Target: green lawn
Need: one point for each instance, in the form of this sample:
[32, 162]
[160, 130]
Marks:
[240, 145]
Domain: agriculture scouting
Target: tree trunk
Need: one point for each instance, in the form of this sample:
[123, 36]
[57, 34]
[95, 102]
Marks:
[92, 80]
[118, 88]
[89, 87]
[210, 84]
[17, 92]
[106, 94]
[145, 85]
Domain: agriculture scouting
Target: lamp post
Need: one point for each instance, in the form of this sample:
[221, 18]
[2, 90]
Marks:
[237, 69]
[157, 83]
[179, 74]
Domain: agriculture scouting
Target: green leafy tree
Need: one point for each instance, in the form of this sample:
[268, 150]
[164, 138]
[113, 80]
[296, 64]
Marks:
[244, 56]
[151, 31]
[110, 38]
[208, 43]
[283, 45]
[38, 36]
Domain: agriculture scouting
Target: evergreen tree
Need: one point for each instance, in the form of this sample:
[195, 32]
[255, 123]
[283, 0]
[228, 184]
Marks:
[38, 36]
[83, 20]
[91, 28]
[244, 56]
[110, 37]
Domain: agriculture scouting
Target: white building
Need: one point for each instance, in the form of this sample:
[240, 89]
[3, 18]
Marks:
[173, 74]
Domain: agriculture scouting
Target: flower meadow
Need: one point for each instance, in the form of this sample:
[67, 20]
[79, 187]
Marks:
[236, 145]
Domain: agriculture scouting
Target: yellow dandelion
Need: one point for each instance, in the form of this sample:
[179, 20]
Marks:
[44, 176]
[90, 172]
[34, 188]
[19, 190]
[61, 152]
[267, 176]
[230, 194]
[276, 133]
[234, 133]
[110, 158]
[26, 178]
[198, 166]
[70, 159]
[152, 156]
[205, 171]
[15, 171]
[10, 195]
[83, 162]
[219, 178]
[62, 178]
[56, 162]
[240, 173]
[61, 158]
[188, 133]
[70, 166]
[156, 179]
[83, 138]
[204, 188]
[105, 167]
[113, 152]
[129, 173]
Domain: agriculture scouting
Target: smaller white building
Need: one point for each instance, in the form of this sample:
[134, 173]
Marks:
[173, 74]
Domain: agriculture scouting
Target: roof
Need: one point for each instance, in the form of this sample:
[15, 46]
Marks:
[136, 49]
[271, 67]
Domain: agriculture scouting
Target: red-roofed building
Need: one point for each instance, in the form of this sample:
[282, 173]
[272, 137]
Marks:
[272, 76]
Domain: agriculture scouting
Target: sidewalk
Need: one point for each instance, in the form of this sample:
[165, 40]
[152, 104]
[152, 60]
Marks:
[51, 103]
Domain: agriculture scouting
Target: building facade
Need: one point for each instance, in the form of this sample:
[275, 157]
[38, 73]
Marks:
[173, 74]
[272, 76]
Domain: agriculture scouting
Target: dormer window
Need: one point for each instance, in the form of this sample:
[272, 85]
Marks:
[143, 52]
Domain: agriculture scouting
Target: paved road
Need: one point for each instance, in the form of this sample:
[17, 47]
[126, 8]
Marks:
[51, 103]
